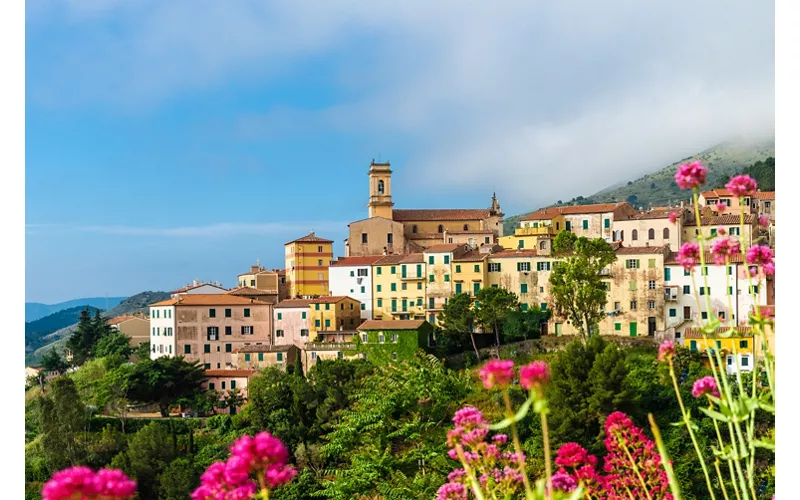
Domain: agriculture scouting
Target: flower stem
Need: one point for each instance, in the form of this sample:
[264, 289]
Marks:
[662, 450]
[548, 470]
[624, 446]
[517, 446]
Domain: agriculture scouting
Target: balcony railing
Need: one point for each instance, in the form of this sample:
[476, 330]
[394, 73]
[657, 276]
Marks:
[330, 346]
[671, 293]
[535, 231]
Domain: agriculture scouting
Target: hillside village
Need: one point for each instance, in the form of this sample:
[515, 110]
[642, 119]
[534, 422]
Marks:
[384, 298]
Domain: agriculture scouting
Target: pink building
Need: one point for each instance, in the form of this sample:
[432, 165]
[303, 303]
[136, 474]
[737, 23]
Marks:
[209, 328]
[291, 322]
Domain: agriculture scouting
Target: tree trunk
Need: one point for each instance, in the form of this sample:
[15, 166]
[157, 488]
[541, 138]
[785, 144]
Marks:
[475, 346]
[497, 337]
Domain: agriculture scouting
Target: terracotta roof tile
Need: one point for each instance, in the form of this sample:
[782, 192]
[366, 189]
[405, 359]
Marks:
[330, 299]
[641, 250]
[365, 260]
[767, 312]
[293, 303]
[444, 247]
[414, 258]
[764, 195]
[310, 238]
[389, 259]
[472, 231]
[473, 256]
[206, 299]
[265, 348]
[247, 291]
[372, 324]
[720, 220]
[230, 373]
[192, 287]
[510, 254]
[549, 213]
[696, 333]
[120, 319]
[443, 214]
[655, 213]
[716, 193]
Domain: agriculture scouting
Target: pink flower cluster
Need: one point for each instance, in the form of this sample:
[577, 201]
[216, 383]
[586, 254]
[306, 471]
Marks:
[689, 255]
[742, 185]
[673, 216]
[86, 484]
[761, 255]
[666, 351]
[262, 455]
[724, 249]
[619, 481]
[500, 373]
[495, 470]
[691, 175]
[705, 385]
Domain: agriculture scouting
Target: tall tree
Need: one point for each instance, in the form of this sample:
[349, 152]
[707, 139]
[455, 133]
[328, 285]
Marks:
[142, 351]
[113, 392]
[458, 322]
[148, 456]
[577, 289]
[493, 307]
[524, 324]
[83, 338]
[165, 381]
[113, 343]
[53, 362]
[62, 420]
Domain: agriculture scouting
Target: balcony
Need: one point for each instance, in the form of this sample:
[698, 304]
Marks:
[330, 346]
[671, 293]
[409, 277]
[535, 231]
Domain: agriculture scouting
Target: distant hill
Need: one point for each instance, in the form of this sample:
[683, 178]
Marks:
[659, 189]
[137, 303]
[37, 331]
[36, 310]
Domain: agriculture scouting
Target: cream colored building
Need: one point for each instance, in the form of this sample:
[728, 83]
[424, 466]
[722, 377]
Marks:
[258, 357]
[718, 227]
[292, 322]
[727, 200]
[650, 228]
[136, 328]
[266, 281]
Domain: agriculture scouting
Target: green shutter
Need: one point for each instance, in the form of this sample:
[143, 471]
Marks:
[498, 267]
[523, 288]
[446, 259]
[617, 326]
[586, 224]
[477, 268]
[667, 274]
[419, 270]
[476, 287]
[524, 307]
[430, 260]
[394, 270]
[520, 243]
[458, 287]
[458, 268]
[379, 270]
[403, 270]
[247, 357]
[280, 316]
[607, 223]
[633, 329]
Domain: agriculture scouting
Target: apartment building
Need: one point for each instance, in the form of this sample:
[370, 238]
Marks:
[399, 287]
[333, 313]
[352, 276]
[650, 228]
[291, 320]
[717, 227]
[258, 357]
[208, 328]
[470, 271]
[330, 345]
[307, 261]
[735, 348]
[259, 283]
[723, 202]
[136, 328]
[439, 270]
[764, 203]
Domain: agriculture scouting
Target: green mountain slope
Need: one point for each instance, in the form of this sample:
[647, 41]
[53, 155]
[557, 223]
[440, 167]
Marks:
[659, 189]
[37, 310]
[37, 331]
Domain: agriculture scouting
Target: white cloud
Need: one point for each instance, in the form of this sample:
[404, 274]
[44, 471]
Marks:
[541, 99]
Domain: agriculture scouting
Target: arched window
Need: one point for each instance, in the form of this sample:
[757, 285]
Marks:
[651, 234]
[380, 187]
[414, 228]
[441, 228]
[666, 233]
[634, 235]
[466, 227]
[543, 245]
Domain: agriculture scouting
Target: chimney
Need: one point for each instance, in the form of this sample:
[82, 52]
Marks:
[683, 203]
[180, 298]
[253, 269]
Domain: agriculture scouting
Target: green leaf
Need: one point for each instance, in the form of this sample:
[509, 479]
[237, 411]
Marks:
[715, 415]
[764, 444]
[523, 410]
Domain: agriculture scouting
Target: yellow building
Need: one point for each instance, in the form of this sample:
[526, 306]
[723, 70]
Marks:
[742, 339]
[470, 272]
[333, 313]
[307, 261]
[439, 285]
[715, 225]
[398, 287]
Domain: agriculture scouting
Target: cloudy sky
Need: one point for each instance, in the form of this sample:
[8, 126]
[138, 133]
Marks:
[175, 140]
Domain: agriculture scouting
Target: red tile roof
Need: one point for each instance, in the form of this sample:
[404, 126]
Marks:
[330, 299]
[293, 303]
[716, 193]
[641, 250]
[390, 259]
[444, 247]
[400, 324]
[767, 312]
[549, 213]
[192, 287]
[473, 256]
[414, 258]
[720, 220]
[442, 214]
[655, 213]
[230, 373]
[365, 260]
[510, 254]
[205, 299]
[310, 238]
[247, 291]
[764, 195]
[119, 319]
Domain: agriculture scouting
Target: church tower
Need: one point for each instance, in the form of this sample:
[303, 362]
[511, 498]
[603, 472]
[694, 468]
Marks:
[380, 190]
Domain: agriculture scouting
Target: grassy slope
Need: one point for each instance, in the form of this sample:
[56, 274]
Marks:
[722, 160]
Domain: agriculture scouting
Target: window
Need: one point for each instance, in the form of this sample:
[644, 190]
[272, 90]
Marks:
[441, 228]
[477, 268]
[327, 323]
[352, 273]
[431, 303]
[280, 357]
[446, 277]
[303, 315]
[586, 223]
[246, 312]
[187, 349]
[380, 338]
[389, 238]
[222, 384]
[212, 313]
[363, 238]
[279, 333]
[543, 306]
[651, 285]
[394, 338]
[704, 315]
[524, 266]
[634, 235]
[228, 347]
[280, 315]
[651, 304]
[617, 306]
[633, 305]
[378, 288]
[523, 288]
[458, 268]
[446, 259]
[363, 272]
[667, 274]
[394, 286]
[651, 263]
[210, 384]
[414, 228]
[705, 270]
[633, 285]
[665, 234]
[617, 326]
[651, 234]
[380, 302]
[313, 356]
[607, 223]
[379, 271]
[721, 315]
[212, 333]
[304, 332]
[327, 307]
[363, 289]
[523, 307]
[430, 260]
[686, 272]
[316, 323]
[542, 266]
[673, 313]
[687, 290]
[713, 231]
[754, 289]
[207, 348]
[632, 264]
[730, 290]
[494, 267]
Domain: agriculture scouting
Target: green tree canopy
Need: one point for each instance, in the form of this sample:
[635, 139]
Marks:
[53, 362]
[458, 324]
[524, 325]
[493, 307]
[165, 381]
[62, 420]
[113, 343]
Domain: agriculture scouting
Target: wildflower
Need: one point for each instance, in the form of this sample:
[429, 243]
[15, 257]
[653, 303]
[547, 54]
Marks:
[83, 482]
[574, 456]
[673, 216]
[761, 255]
[534, 375]
[666, 351]
[723, 249]
[451, 491]
[469, 416]
[115, 484]
[705, 385]
[497, 373]
[689, 255]
[456, 475]
[563, 482]
[500, 438]
[763, 220]
[742, 185]
[721, 206]
[691, 175]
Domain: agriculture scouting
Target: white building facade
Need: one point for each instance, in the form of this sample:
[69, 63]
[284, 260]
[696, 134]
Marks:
[352, 277]
[162, 331]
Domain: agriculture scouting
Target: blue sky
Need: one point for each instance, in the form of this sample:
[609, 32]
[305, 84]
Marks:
[167, 141]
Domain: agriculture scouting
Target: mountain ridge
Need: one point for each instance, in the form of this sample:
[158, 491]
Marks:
[38, 310]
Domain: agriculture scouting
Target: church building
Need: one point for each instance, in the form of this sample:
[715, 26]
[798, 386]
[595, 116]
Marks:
[402, 231]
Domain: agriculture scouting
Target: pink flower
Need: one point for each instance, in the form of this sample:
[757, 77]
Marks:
[500, 438]
[469, 416]
[723, 249]
[278, 474]
[761, 255]
[721, 206]
[452, 491]
[673, 216]
[114, 483]
[691, 175]
[497, 373]
[742, 185]
[563, 482]
[82, 482]
[705, 385]
[574, 456]
[534, 375]
[456, 475]
[666, 351]
[689, 255]
[763, 220]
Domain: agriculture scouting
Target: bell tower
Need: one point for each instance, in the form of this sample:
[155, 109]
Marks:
[380, 190]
